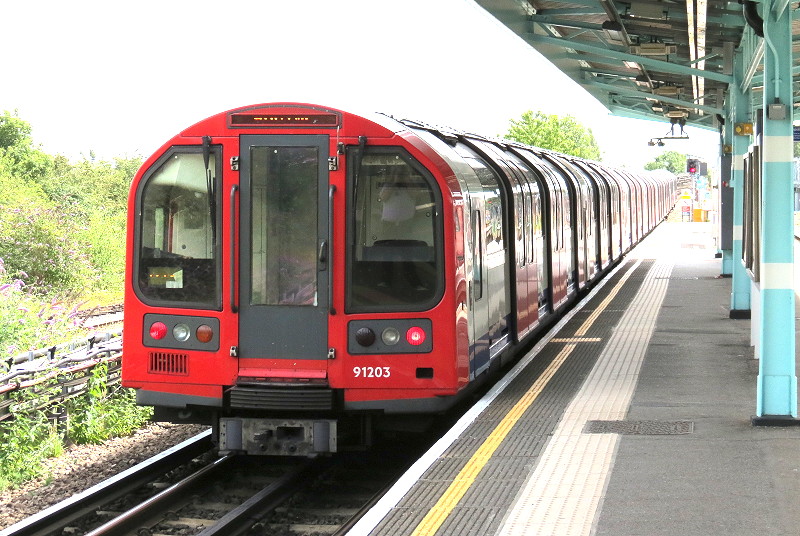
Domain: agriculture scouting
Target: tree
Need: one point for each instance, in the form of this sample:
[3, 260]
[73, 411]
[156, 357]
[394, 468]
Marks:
[14, 131]
[672, 161]
[16, 145]
[562, 134]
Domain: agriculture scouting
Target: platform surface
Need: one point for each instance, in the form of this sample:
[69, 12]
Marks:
[634, 419]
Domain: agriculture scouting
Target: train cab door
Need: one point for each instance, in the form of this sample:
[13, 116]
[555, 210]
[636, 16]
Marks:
[284, 239]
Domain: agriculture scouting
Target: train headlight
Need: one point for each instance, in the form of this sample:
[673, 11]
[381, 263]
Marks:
[415, 336]
[158, 330]
[181, 332]
[204, 333]
[390, 336]
[365, 337]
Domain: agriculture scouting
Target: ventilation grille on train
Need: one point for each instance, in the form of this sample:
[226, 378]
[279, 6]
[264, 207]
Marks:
[301, 398]
[169, 363]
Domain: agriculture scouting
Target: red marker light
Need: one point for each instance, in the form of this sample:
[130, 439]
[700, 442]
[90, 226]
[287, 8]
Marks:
[158, 330]
[204, 333]
[415, 336]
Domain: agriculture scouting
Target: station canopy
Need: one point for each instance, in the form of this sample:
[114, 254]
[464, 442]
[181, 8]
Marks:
[661, 60]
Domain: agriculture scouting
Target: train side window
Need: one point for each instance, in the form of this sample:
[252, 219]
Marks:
[177, 261]
[394, 233]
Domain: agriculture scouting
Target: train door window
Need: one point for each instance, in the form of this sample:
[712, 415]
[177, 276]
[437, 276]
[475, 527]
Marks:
[524, 203]
[560, 203]
[177, 260]
[537, 255]
[477, 257]
[536, 175]
[529, 216]
[284, 206]
[493, 200]
[394, 234]
[519, 216]
[555, 215]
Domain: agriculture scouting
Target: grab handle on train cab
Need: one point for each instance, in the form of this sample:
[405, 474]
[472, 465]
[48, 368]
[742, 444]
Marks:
[329, 248]
[322, 257]
[234, 191]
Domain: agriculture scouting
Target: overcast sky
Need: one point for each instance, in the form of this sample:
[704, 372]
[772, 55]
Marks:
[121, 78]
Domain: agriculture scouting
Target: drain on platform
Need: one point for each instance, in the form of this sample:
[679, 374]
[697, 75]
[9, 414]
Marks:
[639, 427]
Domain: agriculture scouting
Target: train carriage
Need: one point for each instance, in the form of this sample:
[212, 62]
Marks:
[299, 274]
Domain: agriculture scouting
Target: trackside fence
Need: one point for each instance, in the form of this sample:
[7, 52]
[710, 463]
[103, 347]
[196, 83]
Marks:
[50, 376]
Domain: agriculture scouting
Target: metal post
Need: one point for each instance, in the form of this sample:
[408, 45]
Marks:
[777, 382]
[725, 221]
[740, 113]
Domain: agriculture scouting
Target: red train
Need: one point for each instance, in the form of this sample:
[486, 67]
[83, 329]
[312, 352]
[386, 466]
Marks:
[299, 274]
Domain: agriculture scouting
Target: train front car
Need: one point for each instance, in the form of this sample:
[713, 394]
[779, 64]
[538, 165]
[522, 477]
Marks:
[292, 272]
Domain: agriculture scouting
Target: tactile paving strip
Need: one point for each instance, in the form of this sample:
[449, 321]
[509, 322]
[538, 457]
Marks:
[486, 501]
[564, 492]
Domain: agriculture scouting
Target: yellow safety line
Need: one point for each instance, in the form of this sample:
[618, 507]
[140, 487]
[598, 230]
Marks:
[611, 295]
[466, 477]
[577, 339]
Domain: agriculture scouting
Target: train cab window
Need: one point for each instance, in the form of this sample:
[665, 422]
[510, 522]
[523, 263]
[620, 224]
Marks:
[177, 261]
[394, 234]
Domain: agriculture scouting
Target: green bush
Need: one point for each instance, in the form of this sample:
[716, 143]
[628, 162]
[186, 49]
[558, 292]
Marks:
[105, 411]
[36, 243]
[62, 224]
[28, 439]
[29, 323]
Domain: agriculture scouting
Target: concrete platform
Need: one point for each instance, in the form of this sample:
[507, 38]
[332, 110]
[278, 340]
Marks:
[633, 420]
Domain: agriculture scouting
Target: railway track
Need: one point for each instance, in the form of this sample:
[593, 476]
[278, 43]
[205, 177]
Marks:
[101, 317]
[229, 496]
[270, 496]
[222, 498]
[72, 515]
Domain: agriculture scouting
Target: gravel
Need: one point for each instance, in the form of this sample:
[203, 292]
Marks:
[83, 466]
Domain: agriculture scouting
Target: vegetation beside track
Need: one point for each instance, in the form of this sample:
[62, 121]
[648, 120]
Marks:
[39, 429]
[62, 243]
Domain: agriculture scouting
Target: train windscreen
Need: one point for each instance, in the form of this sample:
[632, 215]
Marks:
[393, 255]
[177, 261]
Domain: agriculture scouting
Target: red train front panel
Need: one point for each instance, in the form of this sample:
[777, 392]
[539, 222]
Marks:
[294, 261]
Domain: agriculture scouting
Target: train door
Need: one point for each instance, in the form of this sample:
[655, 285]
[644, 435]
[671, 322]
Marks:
[283, 289]
[478, 289]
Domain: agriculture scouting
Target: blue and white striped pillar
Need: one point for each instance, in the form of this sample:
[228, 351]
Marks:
[740, 113]
[777, 381]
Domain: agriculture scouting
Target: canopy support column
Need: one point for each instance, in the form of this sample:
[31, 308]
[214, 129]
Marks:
[777, 380]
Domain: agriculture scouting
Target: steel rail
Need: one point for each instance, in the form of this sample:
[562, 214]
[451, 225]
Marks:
[239, 520]
[49, 520]
[153, 507]
[142, 518]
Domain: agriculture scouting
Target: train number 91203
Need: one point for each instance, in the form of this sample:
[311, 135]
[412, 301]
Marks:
[372, 372]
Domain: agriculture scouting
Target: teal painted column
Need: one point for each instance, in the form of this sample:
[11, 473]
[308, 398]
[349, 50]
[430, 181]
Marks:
[777, 382]
[740, 113]
[727, 262]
